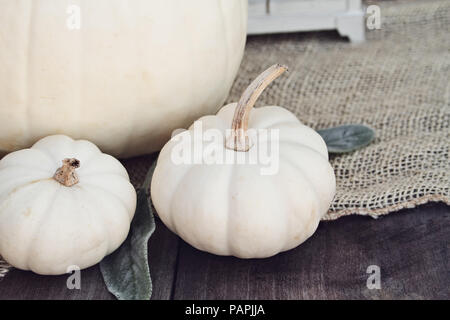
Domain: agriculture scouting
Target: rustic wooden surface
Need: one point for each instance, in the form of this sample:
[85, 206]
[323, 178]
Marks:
[411, 248]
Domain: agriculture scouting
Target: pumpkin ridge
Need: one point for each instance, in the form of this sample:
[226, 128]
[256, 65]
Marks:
[318, 214]
[305, 177]
[11, 158]
[300, 144]
[94, 154]
[106, 191]
[38, 228]
[5, 201]
[50, 144]
[13, 166]
[27, 181]
[100, 216]
[201, 201]
[20, 179]
[284, 195]
[285, 118]
[231, 187]
[174, 193]
[102, 157]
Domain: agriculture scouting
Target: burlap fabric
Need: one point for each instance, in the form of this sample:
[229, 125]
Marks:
[397, 83]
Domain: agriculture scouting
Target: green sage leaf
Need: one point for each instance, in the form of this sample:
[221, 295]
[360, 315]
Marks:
[126, 271]
[347, 138]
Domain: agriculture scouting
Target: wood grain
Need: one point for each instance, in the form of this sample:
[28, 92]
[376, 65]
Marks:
[163, 246]
[411, 247]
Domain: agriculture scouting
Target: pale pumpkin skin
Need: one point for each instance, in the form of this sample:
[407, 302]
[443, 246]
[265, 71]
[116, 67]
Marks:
[231, 209]
[135, 70]
[46, 226]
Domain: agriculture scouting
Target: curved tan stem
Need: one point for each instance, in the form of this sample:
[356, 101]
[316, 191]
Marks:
[239, 140]
[66, 175]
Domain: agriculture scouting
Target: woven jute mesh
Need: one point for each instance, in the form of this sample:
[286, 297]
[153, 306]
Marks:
[398, 83]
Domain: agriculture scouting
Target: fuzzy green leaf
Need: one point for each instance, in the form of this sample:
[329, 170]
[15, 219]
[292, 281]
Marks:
[126, 272]
[347, 138]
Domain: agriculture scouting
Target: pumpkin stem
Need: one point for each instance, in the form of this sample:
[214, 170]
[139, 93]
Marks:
[239, 140]
[66, 175]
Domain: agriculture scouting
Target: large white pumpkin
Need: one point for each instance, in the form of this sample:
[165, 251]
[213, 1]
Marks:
[120, 73]
[251, 209]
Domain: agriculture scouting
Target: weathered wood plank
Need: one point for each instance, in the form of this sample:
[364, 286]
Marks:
[163, 246]
[410, 247]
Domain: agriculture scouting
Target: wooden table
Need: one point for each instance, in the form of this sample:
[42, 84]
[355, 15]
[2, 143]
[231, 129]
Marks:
[411, 247]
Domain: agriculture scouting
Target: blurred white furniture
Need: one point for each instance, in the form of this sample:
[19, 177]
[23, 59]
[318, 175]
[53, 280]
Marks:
[279, 16]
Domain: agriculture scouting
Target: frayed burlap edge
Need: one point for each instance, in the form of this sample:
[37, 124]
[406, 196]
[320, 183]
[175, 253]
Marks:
[376, 213]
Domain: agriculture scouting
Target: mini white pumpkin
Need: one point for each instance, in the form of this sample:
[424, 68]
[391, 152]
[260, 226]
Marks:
[62, 203]
[233, 209]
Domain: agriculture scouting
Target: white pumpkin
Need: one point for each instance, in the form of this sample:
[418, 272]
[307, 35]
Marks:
[122, 74]
[237, 209]
[62, 203]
